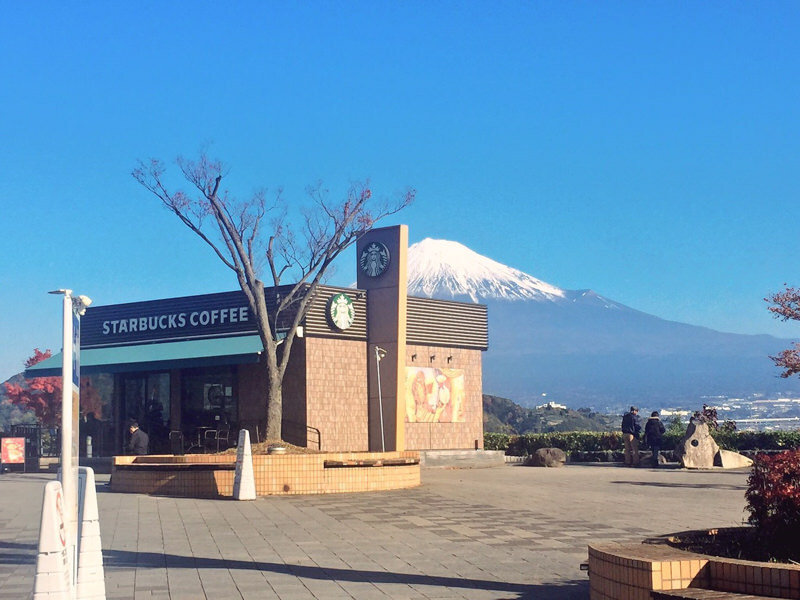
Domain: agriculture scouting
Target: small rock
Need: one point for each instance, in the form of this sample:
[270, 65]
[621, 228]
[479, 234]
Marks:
[547, 457]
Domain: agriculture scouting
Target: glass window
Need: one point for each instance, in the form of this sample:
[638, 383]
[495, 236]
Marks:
[97, 415]
[209, 397]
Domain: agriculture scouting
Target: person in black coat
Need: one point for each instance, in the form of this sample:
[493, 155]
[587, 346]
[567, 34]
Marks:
[139, 442]
[653, 435]
[631, 427]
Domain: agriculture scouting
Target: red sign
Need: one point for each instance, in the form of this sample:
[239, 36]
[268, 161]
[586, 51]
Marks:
[12, 451]
[62, 535]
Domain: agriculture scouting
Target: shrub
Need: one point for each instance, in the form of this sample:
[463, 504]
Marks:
[595, 441]
[495, 441]
[773, 501]
[569, 442]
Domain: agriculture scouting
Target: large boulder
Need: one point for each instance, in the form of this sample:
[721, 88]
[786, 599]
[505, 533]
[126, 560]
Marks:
[547, 457]
[698, 448]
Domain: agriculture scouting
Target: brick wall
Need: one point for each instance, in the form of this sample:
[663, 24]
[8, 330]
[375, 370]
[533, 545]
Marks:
[326, 387]
[252, 399]
[294, 395]
[450, 436]
[336, 388]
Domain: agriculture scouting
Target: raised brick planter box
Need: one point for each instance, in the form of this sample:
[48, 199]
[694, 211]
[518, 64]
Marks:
[211, 476]
[639, 571]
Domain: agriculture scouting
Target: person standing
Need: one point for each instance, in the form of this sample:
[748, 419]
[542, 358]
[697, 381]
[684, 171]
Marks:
[139, 442]
[631, 428]
[653, 434]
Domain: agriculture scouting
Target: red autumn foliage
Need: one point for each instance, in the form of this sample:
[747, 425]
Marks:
[42, 395]
[773, 501]
[786, 306]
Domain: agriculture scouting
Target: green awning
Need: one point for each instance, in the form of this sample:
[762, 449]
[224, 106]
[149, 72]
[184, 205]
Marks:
[153, 357]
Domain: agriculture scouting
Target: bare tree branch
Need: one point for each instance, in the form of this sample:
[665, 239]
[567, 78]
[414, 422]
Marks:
[328, 229]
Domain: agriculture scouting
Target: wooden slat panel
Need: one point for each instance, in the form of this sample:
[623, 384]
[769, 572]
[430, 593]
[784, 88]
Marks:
[447, 323]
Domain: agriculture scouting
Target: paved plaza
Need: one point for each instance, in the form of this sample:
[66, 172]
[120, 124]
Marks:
[508, 532]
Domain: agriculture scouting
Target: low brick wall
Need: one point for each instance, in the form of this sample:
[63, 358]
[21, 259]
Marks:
[632, 571]
[211, 476]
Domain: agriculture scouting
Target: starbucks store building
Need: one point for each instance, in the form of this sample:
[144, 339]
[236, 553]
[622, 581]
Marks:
[371, 368]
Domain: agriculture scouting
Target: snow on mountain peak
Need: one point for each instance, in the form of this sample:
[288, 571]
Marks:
[441, 269]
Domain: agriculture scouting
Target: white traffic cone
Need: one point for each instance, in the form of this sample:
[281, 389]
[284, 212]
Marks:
[244, 483]
[91, 582]
[52, 580]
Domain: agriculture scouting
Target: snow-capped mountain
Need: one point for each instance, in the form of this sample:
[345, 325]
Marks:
[586, 350]
[449, 270]
[444, 269]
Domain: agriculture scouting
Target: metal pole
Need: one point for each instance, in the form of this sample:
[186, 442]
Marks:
[69, 473]
[380, 395]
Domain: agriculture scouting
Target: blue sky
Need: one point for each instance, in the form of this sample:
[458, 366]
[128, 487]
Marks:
[648, 151]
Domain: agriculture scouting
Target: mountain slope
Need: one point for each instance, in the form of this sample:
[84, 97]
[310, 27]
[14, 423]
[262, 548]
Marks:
[586, 350]
[501, 415]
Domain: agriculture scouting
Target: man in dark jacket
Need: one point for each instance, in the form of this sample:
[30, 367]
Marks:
[631, 427]
[139, 442]
[653, 434]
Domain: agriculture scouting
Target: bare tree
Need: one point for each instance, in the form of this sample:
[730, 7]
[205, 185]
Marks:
[240, 235]
[786, 306]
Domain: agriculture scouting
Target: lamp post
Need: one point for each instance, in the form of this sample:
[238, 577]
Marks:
[379, 354]
[73, 308]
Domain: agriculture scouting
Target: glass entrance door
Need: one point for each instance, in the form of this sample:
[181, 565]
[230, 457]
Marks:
[145, 398]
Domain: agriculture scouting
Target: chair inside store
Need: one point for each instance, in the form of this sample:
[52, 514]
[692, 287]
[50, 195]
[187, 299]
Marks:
[216, 439]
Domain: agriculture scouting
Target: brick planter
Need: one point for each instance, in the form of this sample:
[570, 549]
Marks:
[633, 571]
[211, 476]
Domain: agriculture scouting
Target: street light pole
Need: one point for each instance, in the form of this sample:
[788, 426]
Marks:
[73, 308]
[379, 354]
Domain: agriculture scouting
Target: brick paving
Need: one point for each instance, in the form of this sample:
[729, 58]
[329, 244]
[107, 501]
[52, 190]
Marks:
[509, 532]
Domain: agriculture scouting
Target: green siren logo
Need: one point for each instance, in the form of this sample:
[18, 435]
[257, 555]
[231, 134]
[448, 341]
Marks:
[341, 311]
[374, 259]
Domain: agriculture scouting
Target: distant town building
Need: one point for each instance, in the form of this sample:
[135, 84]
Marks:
[553, 406]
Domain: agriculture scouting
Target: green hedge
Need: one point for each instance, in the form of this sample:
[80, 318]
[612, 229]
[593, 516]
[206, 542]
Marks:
[757, 440]
[595, 441]
[572, 441]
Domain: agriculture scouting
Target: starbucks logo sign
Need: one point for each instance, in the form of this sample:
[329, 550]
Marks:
[341, 311]
[374, 259]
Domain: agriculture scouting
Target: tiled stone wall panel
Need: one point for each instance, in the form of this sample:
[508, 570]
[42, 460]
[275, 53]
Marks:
[450, 436]
[336, 387]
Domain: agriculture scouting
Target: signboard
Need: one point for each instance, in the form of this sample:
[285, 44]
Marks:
[210, 315]
[12, 451]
